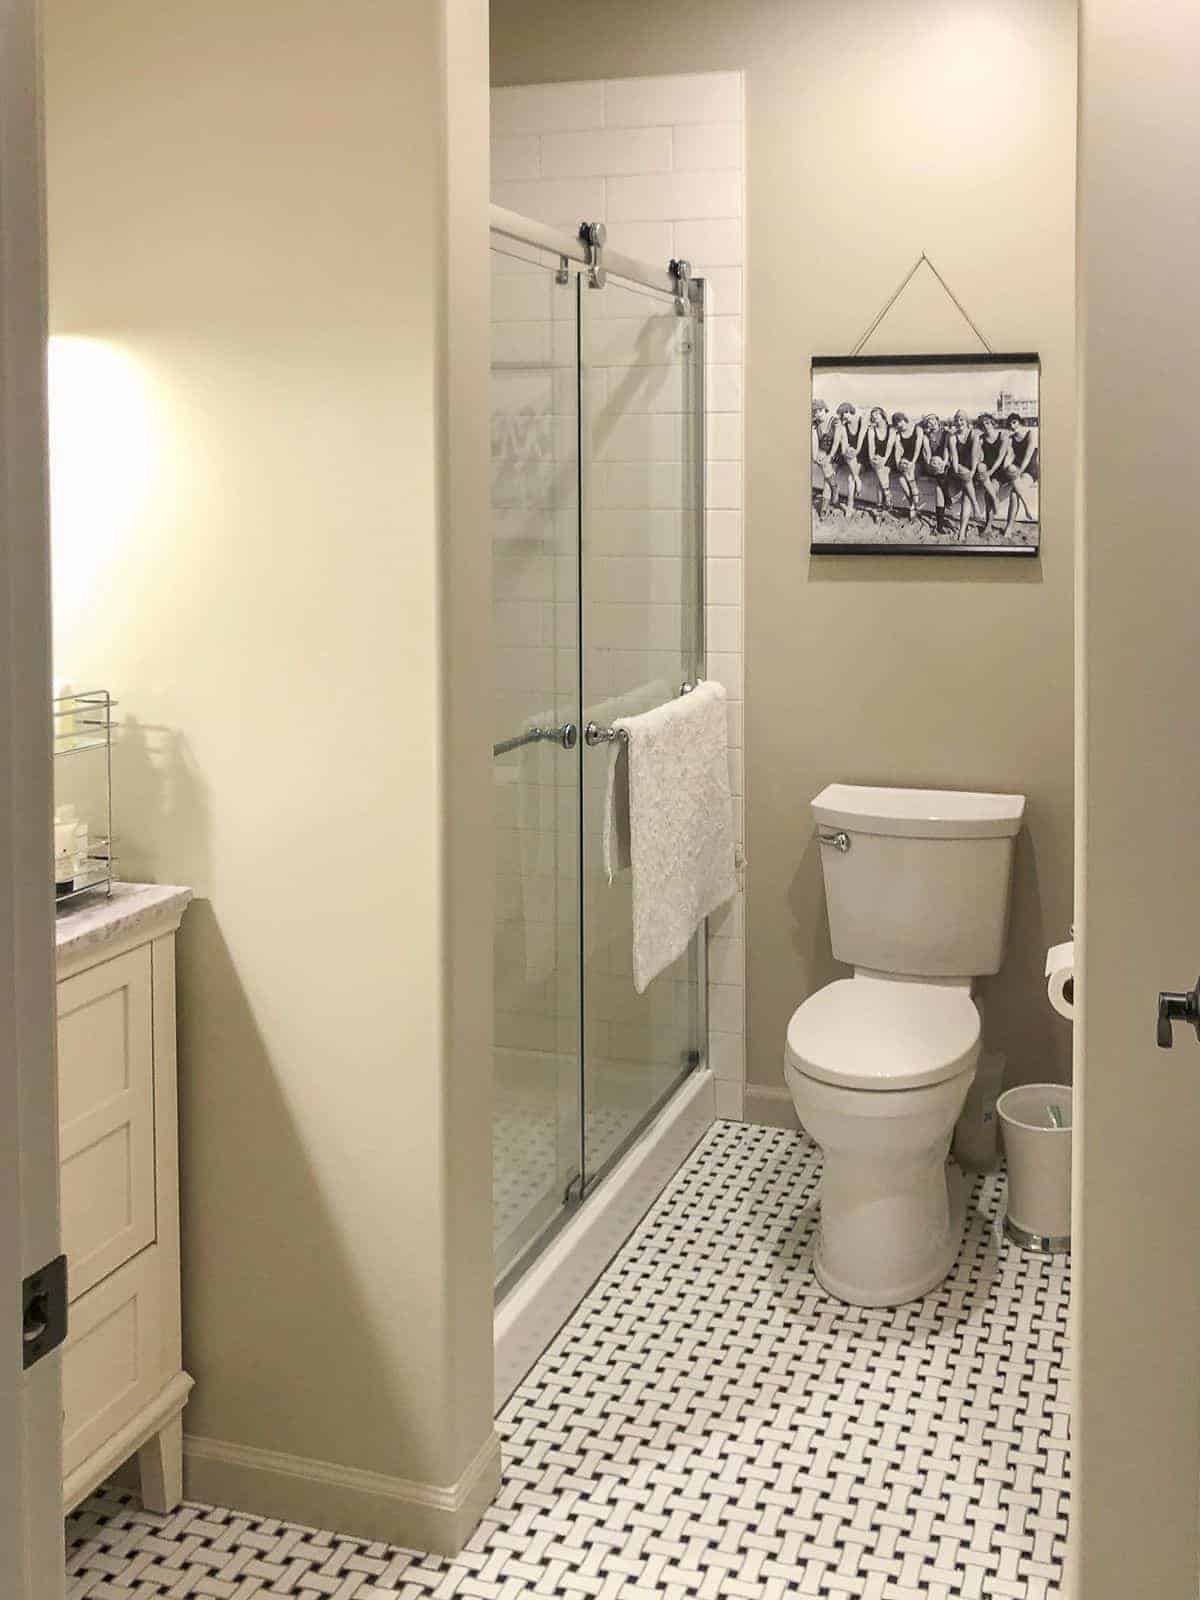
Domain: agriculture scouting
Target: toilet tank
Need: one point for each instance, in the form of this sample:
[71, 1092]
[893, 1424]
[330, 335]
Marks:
[917, 880]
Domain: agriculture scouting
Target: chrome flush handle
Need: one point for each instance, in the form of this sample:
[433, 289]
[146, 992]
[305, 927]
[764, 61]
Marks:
[839, 840]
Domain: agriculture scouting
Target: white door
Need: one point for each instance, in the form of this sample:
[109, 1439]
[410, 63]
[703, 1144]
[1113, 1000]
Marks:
[1137, 1253]
[31, 1533]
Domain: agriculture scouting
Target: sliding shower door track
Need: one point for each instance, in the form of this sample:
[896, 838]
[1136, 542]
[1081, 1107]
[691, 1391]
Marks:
[579, 1190]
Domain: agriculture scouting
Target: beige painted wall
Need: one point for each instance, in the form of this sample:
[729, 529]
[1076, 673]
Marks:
[935, 125]
[270, 530]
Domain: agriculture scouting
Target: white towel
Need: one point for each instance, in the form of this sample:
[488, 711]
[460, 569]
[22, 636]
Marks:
[615, 712]
[669, 816]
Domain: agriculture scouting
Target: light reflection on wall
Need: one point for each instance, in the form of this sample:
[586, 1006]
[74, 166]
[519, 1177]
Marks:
[105, 456]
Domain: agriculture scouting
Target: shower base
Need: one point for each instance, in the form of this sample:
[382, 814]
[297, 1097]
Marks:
[535, 1137]
[542, 1299]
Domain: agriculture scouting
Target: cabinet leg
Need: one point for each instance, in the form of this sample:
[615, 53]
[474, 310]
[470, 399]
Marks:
[160, 1465]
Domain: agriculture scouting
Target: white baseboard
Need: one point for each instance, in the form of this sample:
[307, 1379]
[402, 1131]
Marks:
[536, 1308]
[769, 1105]
[438, 1518]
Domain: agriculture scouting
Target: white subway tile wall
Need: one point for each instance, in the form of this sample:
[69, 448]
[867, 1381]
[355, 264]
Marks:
[661, 161]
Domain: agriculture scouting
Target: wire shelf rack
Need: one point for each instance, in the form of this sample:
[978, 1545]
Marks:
[82, 722]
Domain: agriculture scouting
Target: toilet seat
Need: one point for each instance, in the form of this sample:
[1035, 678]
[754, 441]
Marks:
[875, 1034]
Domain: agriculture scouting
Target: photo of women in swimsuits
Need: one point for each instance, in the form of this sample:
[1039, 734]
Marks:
[826, 430]
[991, 459]
[878, 450]
[962, 452]
[850, 450]
[934, 475]
[1021, 472]
[925, 454]
[909, 450]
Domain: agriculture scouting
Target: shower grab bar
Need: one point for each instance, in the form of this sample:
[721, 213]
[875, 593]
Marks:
[567, 735]
[594, 734]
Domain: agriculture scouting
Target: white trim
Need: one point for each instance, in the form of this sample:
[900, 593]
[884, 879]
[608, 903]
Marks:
[321, 1494]
[770, 1106]
[529, 1317]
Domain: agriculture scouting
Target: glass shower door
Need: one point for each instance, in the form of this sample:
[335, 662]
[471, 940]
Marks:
[642, 641]
[536, 751]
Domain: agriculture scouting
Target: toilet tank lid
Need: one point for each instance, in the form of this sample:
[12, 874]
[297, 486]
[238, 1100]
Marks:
[919, 813]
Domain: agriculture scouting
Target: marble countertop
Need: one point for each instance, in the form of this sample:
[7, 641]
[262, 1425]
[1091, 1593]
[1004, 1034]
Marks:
[96, 920]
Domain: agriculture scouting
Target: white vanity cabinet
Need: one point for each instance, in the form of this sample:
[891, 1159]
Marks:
[124, 1387]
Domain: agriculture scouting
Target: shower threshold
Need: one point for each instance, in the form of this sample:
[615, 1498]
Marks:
[533, 1304]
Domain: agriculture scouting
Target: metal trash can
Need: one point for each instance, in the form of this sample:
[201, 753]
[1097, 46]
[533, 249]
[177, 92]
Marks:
[1035, 1123]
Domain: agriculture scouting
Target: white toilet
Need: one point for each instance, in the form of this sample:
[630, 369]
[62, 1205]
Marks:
[917, 884]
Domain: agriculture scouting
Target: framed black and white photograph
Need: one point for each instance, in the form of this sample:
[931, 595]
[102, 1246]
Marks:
[925, 455]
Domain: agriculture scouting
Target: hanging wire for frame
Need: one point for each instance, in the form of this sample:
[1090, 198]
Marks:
[923, 260]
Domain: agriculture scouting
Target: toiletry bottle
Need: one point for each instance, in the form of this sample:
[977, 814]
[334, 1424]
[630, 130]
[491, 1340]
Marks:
[65, 825]
[64, 717]
[70, 849]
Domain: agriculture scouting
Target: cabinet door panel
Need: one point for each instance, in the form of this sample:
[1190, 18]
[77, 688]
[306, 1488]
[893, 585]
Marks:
[106, 1116]
[112, 1361]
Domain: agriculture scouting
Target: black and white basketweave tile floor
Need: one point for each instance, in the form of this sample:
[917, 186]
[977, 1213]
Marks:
[710, 1424]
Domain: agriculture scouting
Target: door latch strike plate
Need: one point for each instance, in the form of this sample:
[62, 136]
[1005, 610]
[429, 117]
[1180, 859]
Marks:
[43, 1311]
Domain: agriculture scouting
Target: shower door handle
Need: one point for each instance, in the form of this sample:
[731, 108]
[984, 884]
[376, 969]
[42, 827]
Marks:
[567, 735]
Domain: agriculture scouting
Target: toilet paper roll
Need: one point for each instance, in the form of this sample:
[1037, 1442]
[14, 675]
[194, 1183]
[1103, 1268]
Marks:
[1060, 978]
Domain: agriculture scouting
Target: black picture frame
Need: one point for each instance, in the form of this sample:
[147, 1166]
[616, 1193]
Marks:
[932, 489]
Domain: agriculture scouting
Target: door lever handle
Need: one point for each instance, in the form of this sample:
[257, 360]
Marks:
[1176, 1007]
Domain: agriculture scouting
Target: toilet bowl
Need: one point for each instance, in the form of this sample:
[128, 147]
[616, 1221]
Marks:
[879, 1071]
[879, 1065]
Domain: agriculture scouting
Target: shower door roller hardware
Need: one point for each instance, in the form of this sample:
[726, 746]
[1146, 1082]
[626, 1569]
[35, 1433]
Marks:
[681, 271]
[1174, 1008]
[592, 235]
[839, 841]
[43, 1311]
